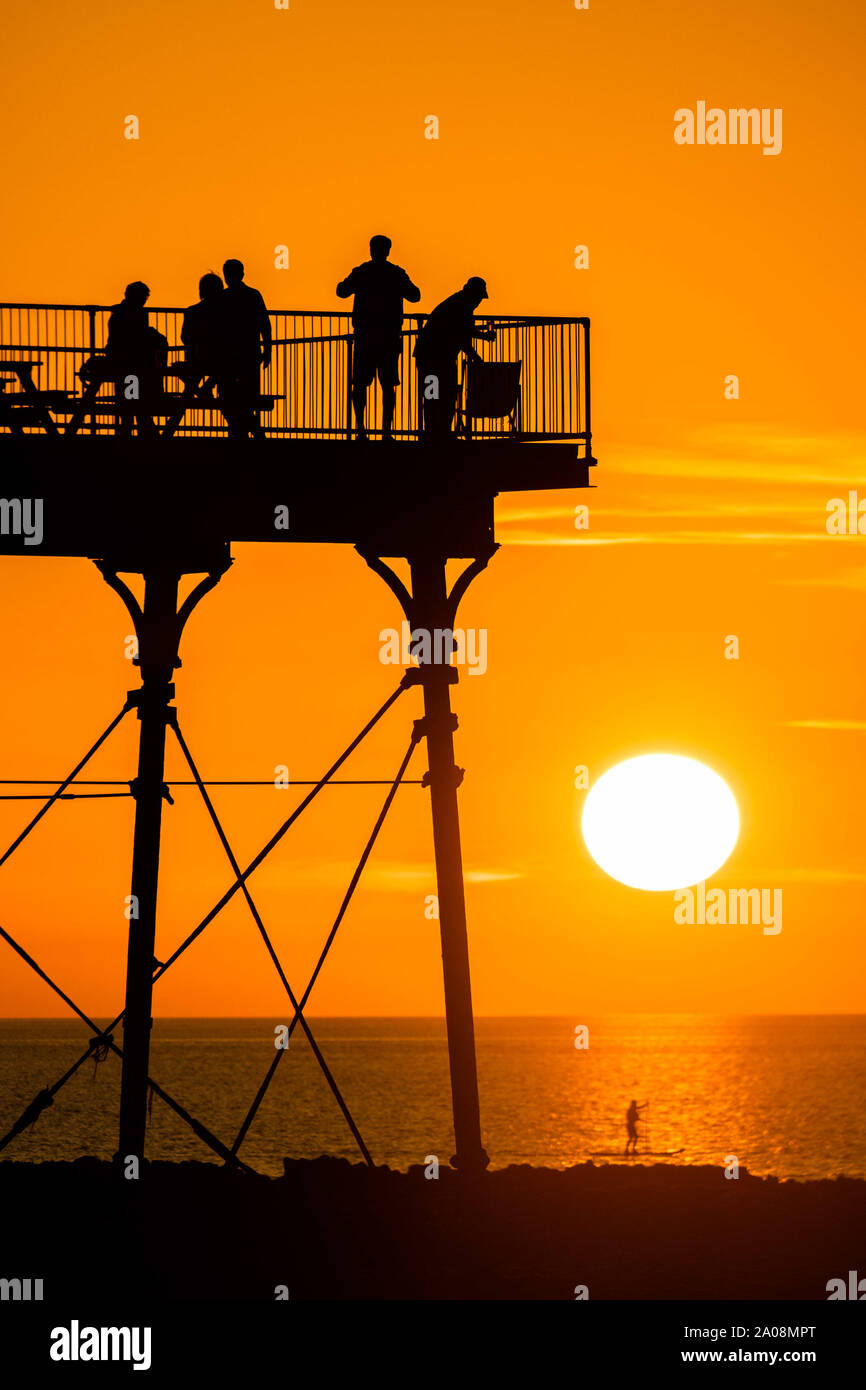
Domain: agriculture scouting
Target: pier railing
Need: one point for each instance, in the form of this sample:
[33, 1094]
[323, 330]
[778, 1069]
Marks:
[310, 373]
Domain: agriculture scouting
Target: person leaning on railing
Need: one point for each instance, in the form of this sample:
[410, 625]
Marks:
[445, 333]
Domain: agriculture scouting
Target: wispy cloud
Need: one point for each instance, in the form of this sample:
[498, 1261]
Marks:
[750, 454]
[840, 579]
[702, 538]
[728, 487]
[803, 874]
[857, 726]
[387, 876]
[509, 516]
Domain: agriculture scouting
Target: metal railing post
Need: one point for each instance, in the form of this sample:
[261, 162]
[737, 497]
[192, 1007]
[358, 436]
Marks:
[350, 343]
[91, 349]
[586, 415]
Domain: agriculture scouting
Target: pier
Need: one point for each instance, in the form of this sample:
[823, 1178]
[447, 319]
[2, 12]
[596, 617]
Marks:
[152, 509]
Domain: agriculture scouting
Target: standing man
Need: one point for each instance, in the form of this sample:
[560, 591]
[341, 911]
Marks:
[247, 349]
[447, 332]
[632, 1115]
[377, 319]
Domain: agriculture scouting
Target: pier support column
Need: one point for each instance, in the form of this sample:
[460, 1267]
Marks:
[430, 611]
[158, 626]
[157, 664]
[430, 607]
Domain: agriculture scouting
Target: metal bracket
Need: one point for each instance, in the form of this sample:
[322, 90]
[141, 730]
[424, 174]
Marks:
[166, 794]
[407, 601]
[170, 642]
[136, 698]
[459, 774]
[419, 726]
[418, 675]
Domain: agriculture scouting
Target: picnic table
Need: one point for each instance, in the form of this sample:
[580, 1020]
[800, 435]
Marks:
[171, 406]
[27, 405]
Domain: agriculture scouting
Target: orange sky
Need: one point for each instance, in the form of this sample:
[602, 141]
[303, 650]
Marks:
[306, 127]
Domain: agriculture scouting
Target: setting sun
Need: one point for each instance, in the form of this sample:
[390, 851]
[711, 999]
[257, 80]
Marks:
[660, 822]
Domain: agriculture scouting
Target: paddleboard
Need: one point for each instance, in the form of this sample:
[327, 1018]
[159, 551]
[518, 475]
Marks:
[645, 1153]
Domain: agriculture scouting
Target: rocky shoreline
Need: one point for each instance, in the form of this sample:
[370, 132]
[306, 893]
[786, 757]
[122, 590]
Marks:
[330, 1229]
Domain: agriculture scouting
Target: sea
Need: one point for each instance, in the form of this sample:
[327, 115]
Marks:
[781, 1095]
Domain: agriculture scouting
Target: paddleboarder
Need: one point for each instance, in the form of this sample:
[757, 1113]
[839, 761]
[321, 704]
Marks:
[631, 1118]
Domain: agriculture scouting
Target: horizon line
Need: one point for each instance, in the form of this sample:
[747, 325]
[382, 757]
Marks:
[607, 1013]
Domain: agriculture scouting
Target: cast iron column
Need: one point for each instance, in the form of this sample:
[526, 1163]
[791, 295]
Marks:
[430, 610]
[157, 656]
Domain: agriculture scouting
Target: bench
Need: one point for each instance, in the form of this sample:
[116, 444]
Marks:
[168, 405]
[162, 405]
[33, 401]
[54, 399]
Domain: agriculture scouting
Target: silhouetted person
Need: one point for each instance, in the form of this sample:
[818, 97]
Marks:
[377, 320]
[136, 359]
[631, 1118]
[446, 333]
[203, 337]
[248, 349]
